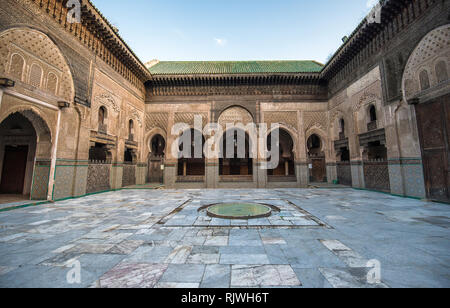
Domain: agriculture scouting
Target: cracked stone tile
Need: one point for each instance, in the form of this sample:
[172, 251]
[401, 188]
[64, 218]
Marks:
[133, 276]
[184, 273]
[177, 285]
[334, 217]
[273, 241]
[216, 241]
[62, 260]
[352, 259]
[341, 278]
[6, 269]
[63, 248]
[179, 255]
[244, 259]
[144, 231]
[216, 276]
[91, 248]
[125, 248]
[12, 237]
[221, 232]
[206, 232]
[149, 254]
[38, 223]
[263, 276]
[194, 241]
[334, 245]
[203, 258]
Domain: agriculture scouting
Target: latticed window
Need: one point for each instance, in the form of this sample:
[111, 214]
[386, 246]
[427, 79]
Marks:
[35, 76]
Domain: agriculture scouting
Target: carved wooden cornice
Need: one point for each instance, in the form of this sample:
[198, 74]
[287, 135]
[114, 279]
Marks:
[258, 84]
[96, 33]
[370, 37]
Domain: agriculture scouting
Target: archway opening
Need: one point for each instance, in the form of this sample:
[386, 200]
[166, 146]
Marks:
[192, 164]
[235, 158]
[286, 166]
[20, 144]
[317, 159]
[156, 159]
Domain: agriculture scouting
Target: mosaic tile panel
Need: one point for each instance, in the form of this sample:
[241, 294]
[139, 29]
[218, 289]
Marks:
[129, 175]
[41, 174]
[98, 178]
[344, 173]
[376, 175]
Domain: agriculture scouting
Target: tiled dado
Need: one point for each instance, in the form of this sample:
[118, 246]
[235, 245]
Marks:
[70, 179]
[407, 178]
[41, 175]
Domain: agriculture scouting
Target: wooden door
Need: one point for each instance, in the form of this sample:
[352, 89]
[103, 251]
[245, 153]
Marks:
[318, 172]
[155, 173]
[433, 121]
[14, 166]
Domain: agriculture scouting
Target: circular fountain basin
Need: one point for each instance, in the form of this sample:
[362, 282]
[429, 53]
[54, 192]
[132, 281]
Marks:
[239, 210]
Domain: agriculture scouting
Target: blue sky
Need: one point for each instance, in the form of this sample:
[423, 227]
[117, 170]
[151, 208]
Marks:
[205, 30]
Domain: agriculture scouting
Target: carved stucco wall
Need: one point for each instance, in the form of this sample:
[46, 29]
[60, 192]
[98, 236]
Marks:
[234, 115]
[352, 104]
[431, 58]
[30, 57]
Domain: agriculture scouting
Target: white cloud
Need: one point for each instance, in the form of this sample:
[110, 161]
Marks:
[220, 41]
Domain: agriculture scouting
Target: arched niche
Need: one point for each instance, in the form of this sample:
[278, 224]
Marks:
[427, 63]
[28, 55]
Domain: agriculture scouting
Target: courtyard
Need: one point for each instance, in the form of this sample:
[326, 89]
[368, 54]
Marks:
[162, 238]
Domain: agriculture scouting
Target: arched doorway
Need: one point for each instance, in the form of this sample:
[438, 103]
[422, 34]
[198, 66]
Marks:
[316, 156]
[425, 83]
[23, 136]
[193, 163]
[156, 159]
[286, 166]
[235, 161]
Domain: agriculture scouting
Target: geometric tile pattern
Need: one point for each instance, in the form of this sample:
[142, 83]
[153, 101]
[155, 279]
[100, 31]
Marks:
[134, 238]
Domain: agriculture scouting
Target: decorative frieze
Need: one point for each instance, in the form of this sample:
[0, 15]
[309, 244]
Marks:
[156, 120]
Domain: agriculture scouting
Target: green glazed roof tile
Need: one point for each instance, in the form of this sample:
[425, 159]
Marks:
[234, 67]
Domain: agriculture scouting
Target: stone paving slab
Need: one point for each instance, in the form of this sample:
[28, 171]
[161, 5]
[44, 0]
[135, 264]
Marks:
[158, 239]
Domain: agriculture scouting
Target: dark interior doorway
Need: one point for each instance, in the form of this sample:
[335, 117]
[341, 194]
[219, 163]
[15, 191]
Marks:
[14, 167]
[156, 159]
[318, 171]
[235, 166]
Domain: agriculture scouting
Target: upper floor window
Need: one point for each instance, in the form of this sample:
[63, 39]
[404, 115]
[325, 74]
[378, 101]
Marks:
[373, 113]
[102, 114]
[342, 129]
[130, 130]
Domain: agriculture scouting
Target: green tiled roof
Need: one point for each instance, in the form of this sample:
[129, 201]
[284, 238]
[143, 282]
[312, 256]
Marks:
[234, 67]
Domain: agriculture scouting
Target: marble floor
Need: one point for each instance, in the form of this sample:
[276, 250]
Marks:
[324, 238]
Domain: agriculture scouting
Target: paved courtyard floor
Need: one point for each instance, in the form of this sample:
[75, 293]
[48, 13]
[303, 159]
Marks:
[158, 238]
